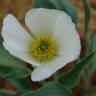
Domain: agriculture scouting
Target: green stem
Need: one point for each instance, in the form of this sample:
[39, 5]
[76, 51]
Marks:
[87, 73]
[86, 79]
[86, 24]
[56, 76]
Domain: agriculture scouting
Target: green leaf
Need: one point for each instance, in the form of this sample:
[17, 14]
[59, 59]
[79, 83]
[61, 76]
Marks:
[50, 89]
[63, 5]
[5, 71]
[93, 42]
[93, 48]
[9, 71]
[21, 73]
[22, 85]
[71, 79]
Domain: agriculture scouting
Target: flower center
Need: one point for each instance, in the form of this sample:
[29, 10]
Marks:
[44, 48]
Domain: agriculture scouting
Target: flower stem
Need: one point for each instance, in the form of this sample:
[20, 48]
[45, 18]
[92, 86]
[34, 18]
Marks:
[56, 76]
[86, 78]
[88, 71]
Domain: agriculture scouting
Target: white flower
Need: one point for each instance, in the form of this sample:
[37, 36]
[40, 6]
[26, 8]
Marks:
[54, 41]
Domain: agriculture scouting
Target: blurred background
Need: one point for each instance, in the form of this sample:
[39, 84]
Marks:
[19, 8]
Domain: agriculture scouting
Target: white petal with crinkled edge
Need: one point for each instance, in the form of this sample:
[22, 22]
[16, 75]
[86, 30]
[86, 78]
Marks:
[15, 35]
[69, 48]
[45, 71]
[23, 55]
[41, 20]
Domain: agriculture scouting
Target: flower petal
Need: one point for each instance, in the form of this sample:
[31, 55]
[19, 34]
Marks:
[41, 20]
[45, 71]
[67, 37]
[41, 73]
[14, 34]
[23, 55]
[69, 48]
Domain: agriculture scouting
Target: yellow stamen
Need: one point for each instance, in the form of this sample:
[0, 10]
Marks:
[44, 48]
